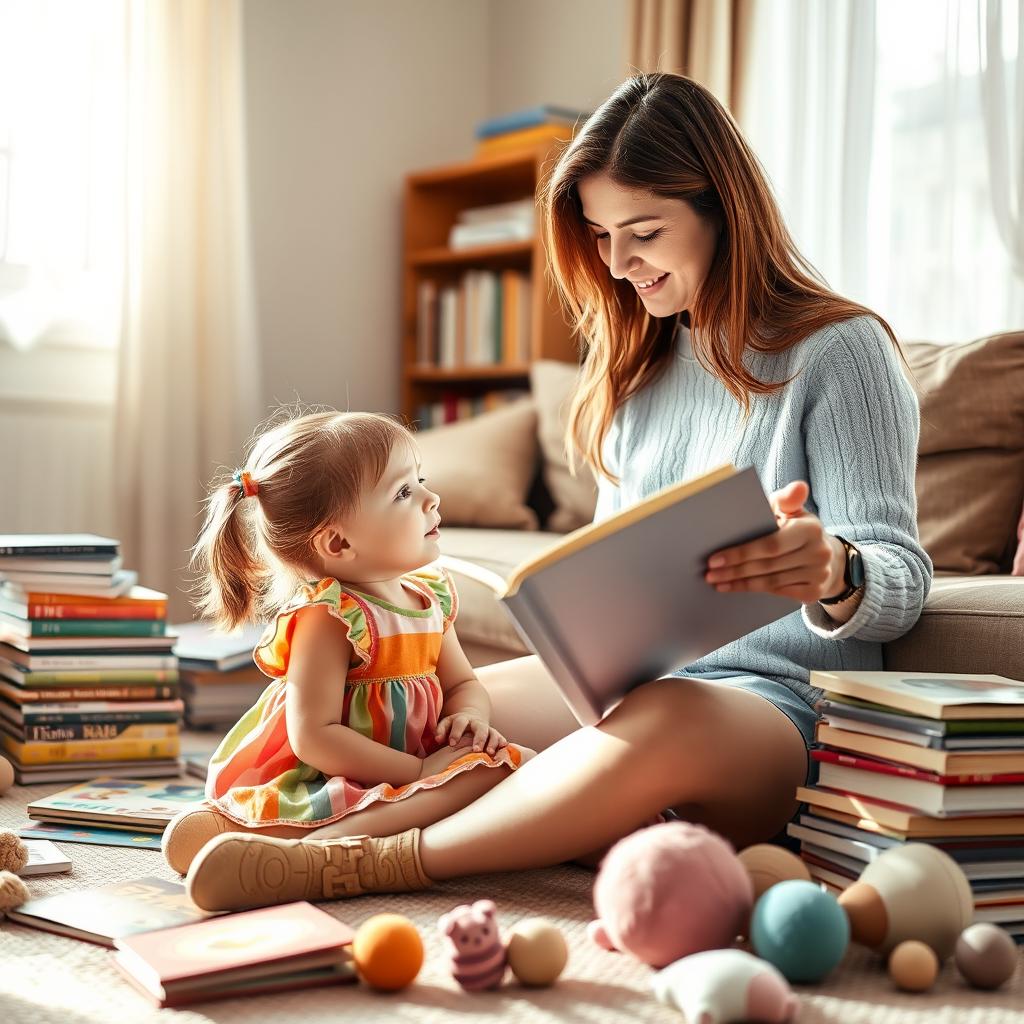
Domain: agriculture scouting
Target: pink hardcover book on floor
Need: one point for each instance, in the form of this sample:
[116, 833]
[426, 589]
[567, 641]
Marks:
[290, 946]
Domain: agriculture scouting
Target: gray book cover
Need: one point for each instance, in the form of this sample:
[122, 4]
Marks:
[624, 601]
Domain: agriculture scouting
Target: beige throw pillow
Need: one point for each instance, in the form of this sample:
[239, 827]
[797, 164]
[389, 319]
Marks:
[482, 467]
[970, 473]
[574, 496]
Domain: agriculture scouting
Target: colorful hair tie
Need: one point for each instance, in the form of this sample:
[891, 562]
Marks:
[249, 486]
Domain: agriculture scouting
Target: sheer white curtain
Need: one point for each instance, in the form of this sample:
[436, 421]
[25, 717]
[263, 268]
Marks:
[1001, 35]
[188, 389]
[868, 117]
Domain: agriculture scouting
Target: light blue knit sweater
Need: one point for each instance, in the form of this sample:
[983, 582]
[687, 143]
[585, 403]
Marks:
[848, 425]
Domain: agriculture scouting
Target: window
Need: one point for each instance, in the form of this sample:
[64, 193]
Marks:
[937, 266]
[61, 171]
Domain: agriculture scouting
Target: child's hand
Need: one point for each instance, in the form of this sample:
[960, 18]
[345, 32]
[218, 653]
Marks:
[439, 760]
[465, 727]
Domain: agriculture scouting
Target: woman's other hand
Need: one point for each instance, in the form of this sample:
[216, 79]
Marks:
[800, 560]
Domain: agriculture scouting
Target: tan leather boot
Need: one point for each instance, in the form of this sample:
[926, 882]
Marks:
[188, 832]
[239, 871]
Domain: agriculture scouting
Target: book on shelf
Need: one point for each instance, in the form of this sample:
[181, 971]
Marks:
[623, 601]
[46, 774]
[943, 762]
[18, 586]
[880, 766]
[112, 628]
[162, 643]
[44, 858]
[83, 751]
[522, 210]
[535, 137]
[470, 236]
[528, 117]
[137, 603]
[124, 802]
[107, 729]
[937, 695]
[36, 544]
[295, 945]
[110, 912]
[102, 566]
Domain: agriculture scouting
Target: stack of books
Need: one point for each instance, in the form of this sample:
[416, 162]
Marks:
[924, 758]
[491, 225]
[88, 678]
[527, 129]
[219, 680]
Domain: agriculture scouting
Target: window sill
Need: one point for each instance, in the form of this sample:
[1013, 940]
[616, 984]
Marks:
[58, 372]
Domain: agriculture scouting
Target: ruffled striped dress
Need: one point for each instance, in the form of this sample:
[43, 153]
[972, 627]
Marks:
[391, 695]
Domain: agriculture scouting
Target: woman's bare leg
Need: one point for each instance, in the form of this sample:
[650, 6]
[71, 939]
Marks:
[415, 811]
[526, 705]
[720, 755]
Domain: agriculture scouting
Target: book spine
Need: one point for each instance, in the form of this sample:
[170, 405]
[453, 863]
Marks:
[123, 677]
[96, 627]
[51, 694]
[24, 550]
[49, 719]
[99, 731]
[138, 610]
[78, 751]
[66, 662]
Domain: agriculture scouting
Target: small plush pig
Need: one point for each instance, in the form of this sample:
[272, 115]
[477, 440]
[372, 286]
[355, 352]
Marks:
[475, 950]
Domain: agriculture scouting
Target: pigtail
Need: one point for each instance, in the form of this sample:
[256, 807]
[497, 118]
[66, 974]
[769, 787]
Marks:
[231, 578]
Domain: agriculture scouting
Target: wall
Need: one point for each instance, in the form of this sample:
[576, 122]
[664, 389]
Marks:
[346, 98]
[343, 100]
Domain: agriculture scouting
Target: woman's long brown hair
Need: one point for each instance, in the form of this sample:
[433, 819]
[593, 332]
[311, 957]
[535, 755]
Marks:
[667, 135]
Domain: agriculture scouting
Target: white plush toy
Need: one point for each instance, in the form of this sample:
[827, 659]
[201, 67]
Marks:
[725, 985]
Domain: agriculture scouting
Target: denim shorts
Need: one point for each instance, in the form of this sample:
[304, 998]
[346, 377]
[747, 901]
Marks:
[795, 708]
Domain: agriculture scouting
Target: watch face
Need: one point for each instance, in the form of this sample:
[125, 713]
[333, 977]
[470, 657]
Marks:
[855, 568]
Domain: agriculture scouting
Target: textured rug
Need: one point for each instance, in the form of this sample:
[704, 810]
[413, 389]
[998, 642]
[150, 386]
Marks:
[48, 978]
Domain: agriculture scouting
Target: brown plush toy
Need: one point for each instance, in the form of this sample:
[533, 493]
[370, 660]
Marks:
[13, 852]
[12, 891]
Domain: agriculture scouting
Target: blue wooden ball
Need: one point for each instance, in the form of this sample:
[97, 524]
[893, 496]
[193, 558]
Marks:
[801, 929]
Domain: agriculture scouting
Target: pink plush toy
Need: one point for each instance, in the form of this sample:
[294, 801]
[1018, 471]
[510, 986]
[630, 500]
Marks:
[668, 891]
[476, 952]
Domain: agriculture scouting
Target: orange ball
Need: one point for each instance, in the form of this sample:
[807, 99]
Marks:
[388, 951]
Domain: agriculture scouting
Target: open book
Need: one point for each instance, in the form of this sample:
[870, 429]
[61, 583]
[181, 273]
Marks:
[624, 601]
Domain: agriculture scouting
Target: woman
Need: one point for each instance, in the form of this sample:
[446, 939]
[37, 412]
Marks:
[708, 339]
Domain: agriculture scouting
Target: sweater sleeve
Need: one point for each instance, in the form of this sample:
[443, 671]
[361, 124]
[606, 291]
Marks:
[860, 435]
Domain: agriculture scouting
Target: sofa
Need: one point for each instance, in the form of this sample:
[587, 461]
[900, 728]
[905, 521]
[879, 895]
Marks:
[506, 492]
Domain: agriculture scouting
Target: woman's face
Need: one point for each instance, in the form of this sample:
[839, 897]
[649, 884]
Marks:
[643, 237]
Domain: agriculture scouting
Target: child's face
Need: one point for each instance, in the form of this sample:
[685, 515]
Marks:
[395, 528]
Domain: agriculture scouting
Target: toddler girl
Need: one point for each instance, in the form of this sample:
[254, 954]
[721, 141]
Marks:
[374, 717]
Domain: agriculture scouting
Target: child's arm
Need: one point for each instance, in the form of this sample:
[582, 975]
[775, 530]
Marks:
[466, 704]
[317, 668]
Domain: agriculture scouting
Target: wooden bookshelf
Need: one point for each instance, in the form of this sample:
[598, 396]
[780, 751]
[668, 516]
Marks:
[433, 200]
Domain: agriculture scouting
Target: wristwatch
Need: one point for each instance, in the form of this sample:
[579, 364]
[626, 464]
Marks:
[853, 575]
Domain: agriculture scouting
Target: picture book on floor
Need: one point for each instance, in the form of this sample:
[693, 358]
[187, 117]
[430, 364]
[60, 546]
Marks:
[623, 601]
[89, 835]
[121, 803]
[291, 946]
[109, 912]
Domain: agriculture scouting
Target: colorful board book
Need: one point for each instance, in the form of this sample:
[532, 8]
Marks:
[123, 802]
[291, 946]
[624, 600]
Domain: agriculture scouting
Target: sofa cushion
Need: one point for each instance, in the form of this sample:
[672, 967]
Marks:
[574, 496]
[970, 476]
[969, 624]
[482, 620]
[482, 467]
